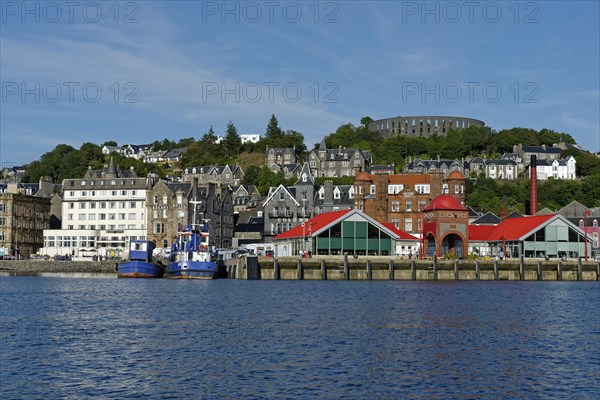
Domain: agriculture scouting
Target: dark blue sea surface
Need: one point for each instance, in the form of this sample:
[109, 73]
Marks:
[111, 338]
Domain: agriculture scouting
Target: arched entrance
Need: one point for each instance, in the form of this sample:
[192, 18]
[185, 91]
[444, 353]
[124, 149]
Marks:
[430, 239]
[452, 244]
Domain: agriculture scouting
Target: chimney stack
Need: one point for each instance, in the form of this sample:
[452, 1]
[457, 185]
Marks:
[533, 195]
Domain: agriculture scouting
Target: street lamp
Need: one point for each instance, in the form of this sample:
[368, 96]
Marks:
[586, 212]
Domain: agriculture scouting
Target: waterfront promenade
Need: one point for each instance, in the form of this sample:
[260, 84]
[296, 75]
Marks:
[361, 268]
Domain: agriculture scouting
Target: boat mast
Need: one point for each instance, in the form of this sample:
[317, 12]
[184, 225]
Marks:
[194, 202]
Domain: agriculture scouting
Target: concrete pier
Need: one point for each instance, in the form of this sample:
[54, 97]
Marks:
[361, 268]
[386, 268]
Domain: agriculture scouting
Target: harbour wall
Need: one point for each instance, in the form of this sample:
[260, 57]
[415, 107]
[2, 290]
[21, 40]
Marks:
[384, 268]
[33, 267]
[348, 268]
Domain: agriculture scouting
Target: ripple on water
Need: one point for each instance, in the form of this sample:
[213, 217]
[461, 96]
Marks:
[229, 339]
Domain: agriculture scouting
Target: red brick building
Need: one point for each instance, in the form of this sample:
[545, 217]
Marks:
[446, 227]
[397, 198]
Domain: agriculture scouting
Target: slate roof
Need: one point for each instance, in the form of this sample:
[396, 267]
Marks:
[540, 149]
[343, 200]
[487, 219]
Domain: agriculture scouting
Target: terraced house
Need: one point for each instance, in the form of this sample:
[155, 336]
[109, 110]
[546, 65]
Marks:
[174, 205]
[231, 175]
[338, 162]
[24, 214]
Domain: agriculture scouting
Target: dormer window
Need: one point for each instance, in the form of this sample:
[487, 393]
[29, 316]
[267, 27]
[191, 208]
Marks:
[372, 190]
[336, 193]
[321, 194]
[304, 178]
[281, 196]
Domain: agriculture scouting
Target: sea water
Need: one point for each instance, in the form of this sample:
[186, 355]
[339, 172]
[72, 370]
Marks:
[159, 338]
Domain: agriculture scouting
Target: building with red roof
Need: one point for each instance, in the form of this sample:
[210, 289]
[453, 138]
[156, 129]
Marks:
[550, 236]
[349, 232]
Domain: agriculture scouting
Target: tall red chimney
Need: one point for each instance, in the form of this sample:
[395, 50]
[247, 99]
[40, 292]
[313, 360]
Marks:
[533, 195]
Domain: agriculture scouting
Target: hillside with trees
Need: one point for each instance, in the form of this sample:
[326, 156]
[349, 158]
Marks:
[65, 161]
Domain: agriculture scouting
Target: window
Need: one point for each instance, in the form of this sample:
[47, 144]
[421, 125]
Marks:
[394, 189]
[70, 217]
[336, 193]
[92, 205]
[155, 213]
[91, 217]
[82, 217]
[82, 205]
[102, 216]
[423, 189]
[131, 215]
[165, 200]
[113, 193]
[396, 223]
[2, 221]
[408, 205]
[395, 206]
[113, 204]
[71, 206]
[281, 196]
[1, 207]
[179, 199]
[112, 216]
[155, 200]
[132, 204]
[455, 189]
[122, 204]
[164, 213]
[159, 228]
[83, 193]
[102, 204]
[372, 191]
[408, 225]
[121, 216]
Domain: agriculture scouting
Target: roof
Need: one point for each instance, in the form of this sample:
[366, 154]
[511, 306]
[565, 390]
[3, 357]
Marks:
[487, 219]
[446, 202]
[401, 234]
[540, 149]
[409, 179]
[456, 175]
[364, 176]
[315, 224]
[509, 229]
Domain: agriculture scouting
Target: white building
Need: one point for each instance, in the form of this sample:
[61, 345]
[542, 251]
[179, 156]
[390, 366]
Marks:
[101, 213]
[556, 168]
[250, 138]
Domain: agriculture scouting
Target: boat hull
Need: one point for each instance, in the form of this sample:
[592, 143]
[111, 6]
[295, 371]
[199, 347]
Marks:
[140, 269]
[193, 270]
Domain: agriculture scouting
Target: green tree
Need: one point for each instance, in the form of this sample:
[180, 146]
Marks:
[251, 175]
[268, 178]
[273, 130]
[232, 142]
[365, 121]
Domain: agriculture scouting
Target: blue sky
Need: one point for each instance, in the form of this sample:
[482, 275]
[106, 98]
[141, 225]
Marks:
[172, 69]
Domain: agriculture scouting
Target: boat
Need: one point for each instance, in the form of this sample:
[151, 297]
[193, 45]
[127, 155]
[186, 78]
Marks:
[192, 256]
[140, 263]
